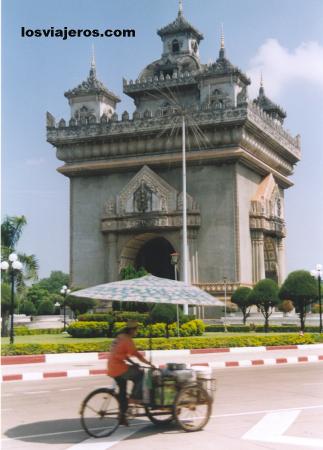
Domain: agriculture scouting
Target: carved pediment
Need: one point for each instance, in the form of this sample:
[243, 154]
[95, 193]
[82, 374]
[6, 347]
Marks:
[146, 192]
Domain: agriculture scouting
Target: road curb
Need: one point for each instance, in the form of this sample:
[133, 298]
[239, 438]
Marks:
[94, 356]
[32, 376]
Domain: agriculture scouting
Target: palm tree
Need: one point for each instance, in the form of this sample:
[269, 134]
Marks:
[11, 231]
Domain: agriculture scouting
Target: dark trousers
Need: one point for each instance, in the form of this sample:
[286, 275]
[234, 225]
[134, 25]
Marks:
[136, 375]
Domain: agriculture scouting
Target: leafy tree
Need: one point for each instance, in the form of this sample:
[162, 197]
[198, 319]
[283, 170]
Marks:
[54, 282]
[129, 273]
[27, 307]
[5, 307]
[45, 307]
[241, 298]
[11, 231]
[265, 296]
[301, 288]
[80, 305]
[36, 295]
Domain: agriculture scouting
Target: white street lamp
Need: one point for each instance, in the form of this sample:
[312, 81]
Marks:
[65, 291]
[13, 266]
[318, 274]
[174, 262]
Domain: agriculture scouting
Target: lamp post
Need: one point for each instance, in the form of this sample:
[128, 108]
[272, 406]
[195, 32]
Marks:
[13, 266]
[317, 273]
[184, 244]
[225, 303]
[65, 291]
[174, 261]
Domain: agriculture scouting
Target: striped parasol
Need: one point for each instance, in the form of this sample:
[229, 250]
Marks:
[150, 289]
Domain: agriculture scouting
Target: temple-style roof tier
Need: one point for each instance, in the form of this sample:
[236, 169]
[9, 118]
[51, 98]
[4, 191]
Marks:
[223, 67]
[269, 106]
[91, 86]
[180, 25]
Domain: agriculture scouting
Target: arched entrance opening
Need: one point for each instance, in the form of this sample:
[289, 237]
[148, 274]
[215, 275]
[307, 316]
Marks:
[154, 256]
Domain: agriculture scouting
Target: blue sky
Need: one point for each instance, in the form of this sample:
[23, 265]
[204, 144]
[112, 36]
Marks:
[283, 39]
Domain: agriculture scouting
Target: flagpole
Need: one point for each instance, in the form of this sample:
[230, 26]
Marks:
[185, 246]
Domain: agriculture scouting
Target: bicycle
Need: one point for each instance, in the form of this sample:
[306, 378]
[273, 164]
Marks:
[188, 402]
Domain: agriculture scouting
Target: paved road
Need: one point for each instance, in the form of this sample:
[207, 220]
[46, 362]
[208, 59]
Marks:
[275, 408]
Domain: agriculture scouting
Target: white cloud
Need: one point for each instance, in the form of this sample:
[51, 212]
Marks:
[281, 66]
[35, 162]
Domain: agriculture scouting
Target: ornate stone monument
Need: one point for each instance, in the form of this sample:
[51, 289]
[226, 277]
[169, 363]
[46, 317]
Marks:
[126, 176]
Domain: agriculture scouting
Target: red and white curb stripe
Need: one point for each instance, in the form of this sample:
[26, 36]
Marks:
[89, 357]
[216, 365]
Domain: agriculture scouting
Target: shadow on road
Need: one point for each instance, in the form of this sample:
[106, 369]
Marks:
[69, 431]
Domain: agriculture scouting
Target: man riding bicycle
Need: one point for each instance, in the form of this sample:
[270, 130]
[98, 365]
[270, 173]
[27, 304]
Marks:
[122, 348]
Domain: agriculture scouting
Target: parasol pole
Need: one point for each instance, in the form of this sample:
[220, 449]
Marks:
[185, 246]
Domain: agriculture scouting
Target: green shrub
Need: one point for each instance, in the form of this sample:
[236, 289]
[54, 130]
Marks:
[88, 329]
[165, 344]
[230, 328]
[96, 317]
[24, 331]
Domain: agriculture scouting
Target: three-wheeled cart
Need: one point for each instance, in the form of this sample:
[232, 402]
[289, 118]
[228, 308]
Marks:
[176, 394]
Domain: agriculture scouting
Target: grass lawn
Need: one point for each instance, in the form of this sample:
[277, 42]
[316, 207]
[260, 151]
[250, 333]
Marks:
[66, 339]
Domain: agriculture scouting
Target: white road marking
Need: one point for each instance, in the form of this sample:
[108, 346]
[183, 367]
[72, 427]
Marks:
[272, 426]
[35, 392]
[265, 411]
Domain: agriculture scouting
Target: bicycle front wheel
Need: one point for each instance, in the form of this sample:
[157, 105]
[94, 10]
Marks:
[100, 413]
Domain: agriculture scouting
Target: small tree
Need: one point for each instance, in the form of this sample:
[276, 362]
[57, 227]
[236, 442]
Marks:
[54, 282]
[286, 306]
[80, 305]
[46, 307]
[241, 298]
[300, 287]
[265, 296]
[165, 313]
[129, 273]
[28, 308]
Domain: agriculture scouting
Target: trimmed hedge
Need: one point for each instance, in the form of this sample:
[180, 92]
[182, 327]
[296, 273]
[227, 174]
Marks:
[102, 329]
[260, 328]
[24, 331]
[165, 344]
[114, 316]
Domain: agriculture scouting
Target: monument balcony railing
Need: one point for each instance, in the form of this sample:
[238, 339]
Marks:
[220, 287]
[159, 82]
[153, 122]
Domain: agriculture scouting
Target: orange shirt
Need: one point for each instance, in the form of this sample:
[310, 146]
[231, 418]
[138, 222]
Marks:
[122, 347]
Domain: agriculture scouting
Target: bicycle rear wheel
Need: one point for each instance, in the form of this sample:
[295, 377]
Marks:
[100, 413]
[192, 408]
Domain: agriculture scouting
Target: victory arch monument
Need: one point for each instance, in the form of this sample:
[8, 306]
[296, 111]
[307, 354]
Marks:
[125, 171]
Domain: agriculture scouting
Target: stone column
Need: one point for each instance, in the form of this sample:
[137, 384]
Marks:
[112, 263]
[258, 256]
[281, 260]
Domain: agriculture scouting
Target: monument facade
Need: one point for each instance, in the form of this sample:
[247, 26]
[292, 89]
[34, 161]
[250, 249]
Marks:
[126, 172]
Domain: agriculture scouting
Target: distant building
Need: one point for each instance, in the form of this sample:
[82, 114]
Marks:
[125, 173]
